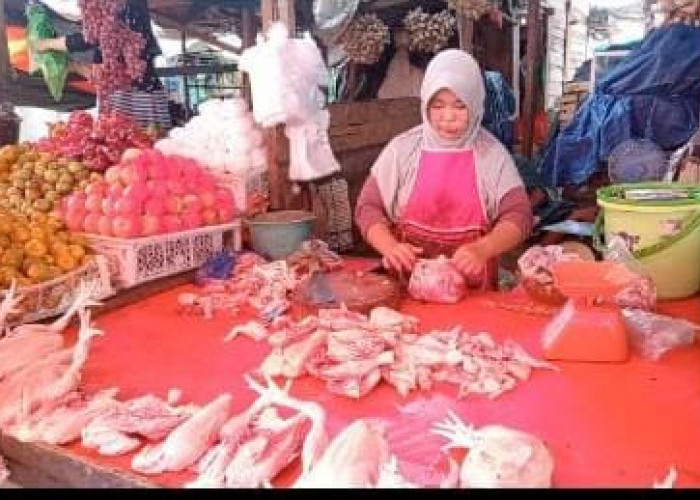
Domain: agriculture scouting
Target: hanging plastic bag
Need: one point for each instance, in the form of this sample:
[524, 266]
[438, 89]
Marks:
[652, 334]
[310, 153]
[268, 80]
[641, 293]
[52, 64]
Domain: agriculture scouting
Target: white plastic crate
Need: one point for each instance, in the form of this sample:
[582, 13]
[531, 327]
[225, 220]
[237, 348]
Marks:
[138, 260]
[52, 298]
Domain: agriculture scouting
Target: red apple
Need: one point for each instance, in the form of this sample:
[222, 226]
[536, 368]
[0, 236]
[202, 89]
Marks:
[154, 206]
[172, 223]
[130, 154]
[112, 175]
[173, 204]
[75, 202]
[109, 206]
[115, 191]
[157, 189]
[129, 205]
[93, 203]
[97, 187]
[75, 219]
[91, 222]
[127, 226]
[151, 225]
[210, 216]
[175, 186]
[226, 213]
[192, 220]
[191, 203]
[104, 225]
[207, 197]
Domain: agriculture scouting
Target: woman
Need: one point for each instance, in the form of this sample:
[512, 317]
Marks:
[146, 101]
[447, 186]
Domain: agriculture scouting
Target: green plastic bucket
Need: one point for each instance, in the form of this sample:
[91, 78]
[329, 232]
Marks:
[663, 234]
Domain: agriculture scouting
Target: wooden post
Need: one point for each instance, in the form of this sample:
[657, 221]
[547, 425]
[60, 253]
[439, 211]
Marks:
[465, 25]
[185, 82]
[531, 61]
[4, 55]
[248, 34]
[272, 11]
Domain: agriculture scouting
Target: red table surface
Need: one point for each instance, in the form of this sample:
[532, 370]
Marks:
[607, 425]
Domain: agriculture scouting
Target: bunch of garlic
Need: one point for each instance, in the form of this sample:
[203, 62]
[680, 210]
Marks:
[365, 39]
[472, 8]
[429, 33]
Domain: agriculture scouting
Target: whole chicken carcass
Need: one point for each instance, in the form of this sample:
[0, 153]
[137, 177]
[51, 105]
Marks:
[354, 459]
[187, 443]
[499, 457]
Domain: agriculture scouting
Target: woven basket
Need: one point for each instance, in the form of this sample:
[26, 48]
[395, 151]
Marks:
[138, 260]
[52, 298]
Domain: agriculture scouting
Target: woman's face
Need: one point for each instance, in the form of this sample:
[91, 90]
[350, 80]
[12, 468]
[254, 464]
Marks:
[448, 115]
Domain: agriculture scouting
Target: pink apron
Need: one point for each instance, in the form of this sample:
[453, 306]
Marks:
[444, 209]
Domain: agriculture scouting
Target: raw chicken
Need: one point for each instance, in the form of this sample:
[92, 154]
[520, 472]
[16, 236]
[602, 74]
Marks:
[385, 318]
[316, 439]
[352, 460]
[19, 351]
[253, 329]
[48, 380]
[187, 443]
[499, 457]
[390, 476]
[260, 459]
[291, 360]
[148, 416]
[65, 423]
[9, 306]
[4, 471]
[437, 280]
[82, 300]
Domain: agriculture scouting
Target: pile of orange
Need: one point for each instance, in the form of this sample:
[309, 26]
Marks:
[37, 248]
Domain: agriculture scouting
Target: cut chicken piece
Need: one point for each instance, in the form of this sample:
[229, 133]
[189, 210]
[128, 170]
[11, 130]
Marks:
[187, 443]
[352, 460]
[499, 457]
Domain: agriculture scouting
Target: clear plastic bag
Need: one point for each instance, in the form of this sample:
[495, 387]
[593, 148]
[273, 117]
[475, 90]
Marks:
[641, 293]
[653, 334]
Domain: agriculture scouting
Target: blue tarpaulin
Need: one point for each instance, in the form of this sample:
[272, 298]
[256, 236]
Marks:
[654, 93]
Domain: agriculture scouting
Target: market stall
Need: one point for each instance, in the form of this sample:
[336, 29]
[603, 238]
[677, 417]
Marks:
[625, 434]
[164, 324]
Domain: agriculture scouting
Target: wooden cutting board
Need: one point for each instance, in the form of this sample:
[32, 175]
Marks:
[359, 291]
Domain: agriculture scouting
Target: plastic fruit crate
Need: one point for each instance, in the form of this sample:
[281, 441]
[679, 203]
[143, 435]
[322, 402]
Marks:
[52, 298]
[138, 260]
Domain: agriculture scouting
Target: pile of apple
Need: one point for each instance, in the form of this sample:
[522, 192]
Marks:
[147, 194]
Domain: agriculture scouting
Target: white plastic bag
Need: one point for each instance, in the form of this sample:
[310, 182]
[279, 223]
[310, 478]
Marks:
[652, 334]
[310, 154]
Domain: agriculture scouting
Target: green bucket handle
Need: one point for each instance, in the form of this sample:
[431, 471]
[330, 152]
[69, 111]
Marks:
[691, 223]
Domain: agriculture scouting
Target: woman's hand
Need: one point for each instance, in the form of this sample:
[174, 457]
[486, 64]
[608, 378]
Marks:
[401, 257]
[471, 260]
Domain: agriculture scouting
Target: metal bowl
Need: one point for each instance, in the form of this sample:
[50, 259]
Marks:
[276, 235]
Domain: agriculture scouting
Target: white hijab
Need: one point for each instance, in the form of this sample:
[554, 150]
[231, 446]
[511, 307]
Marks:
[395, 168]
[457, 71]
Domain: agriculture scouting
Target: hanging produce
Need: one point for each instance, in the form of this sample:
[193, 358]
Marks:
[471, 8]
[99, 143]
[52, 64]
[429, 33]
[365, 39]
[120, 46]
